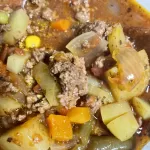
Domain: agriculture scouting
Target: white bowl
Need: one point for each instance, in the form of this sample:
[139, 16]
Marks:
[145, 4]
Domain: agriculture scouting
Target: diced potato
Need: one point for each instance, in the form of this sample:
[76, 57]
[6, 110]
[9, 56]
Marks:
[141, 107]
[124, 126]
[47, 82]
[60, 127]
[15, 63]
[111, 111]
[4, 16]
[18, 24]
[7, 105]
[32, 135]
[79, 115]
[116, 38]
[121, 94]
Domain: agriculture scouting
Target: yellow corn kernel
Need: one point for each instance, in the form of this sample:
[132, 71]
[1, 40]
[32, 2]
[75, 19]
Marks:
[79, 115]
[32, 41]
[60, 127]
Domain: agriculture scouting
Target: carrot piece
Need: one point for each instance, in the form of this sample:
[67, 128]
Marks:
[59, 127]
[79, 115]
[62, 24]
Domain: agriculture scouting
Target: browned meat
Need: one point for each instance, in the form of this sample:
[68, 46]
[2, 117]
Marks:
[101, 65]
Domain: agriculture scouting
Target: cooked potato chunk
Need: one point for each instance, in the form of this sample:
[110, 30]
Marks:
[18, 21]
[112, 111]
[32, 135]
[124, 126]
[7, 105]
[141, 107]
[116, 38]
[18, 61]
[121, 94]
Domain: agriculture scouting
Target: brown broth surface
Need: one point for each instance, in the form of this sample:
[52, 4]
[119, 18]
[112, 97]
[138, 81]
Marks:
[129, 15]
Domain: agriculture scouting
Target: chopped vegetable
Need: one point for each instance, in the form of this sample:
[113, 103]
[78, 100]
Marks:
[108, 143]
[18, 61]
[95, 89]
[127, 58]
[84, 135]
[18, 24]
[128, 75]
[47, 82]
[62, 24]
[19, 82]
[32, 41]
[79, 115]
[141, 107]
[4, 16]
[124, 126]
[116, 38]
[122, 94]
[111, 111]
[7, 105]
[87, 45]
[32, 135]
[60, 127]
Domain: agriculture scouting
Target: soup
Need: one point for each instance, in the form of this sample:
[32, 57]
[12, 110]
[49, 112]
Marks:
[74, 75]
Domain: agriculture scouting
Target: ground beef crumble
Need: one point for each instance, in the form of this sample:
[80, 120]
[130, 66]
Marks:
[100, 27]
[73, 79]
[81, 7]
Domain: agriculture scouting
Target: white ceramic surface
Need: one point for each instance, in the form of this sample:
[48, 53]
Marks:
[145, 3]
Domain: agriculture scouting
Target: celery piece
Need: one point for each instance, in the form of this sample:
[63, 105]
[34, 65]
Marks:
[47, 82]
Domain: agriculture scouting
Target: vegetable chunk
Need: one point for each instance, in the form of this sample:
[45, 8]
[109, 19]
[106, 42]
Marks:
[122, 94]
[18, 61]
[111, 111]
[4, 16]
[62, 24]
[79, 115]
[7, 105]
[141, 107]
[46, 81]
[32, 135]
[33, 41]
[124, 126]
[116, 38]
[18, 22]
[60, 127]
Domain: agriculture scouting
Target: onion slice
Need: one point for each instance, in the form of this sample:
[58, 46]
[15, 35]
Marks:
[88, 45]
[130, 68]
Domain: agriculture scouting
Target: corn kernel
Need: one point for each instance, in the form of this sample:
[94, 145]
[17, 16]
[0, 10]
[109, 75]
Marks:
[32, 41]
